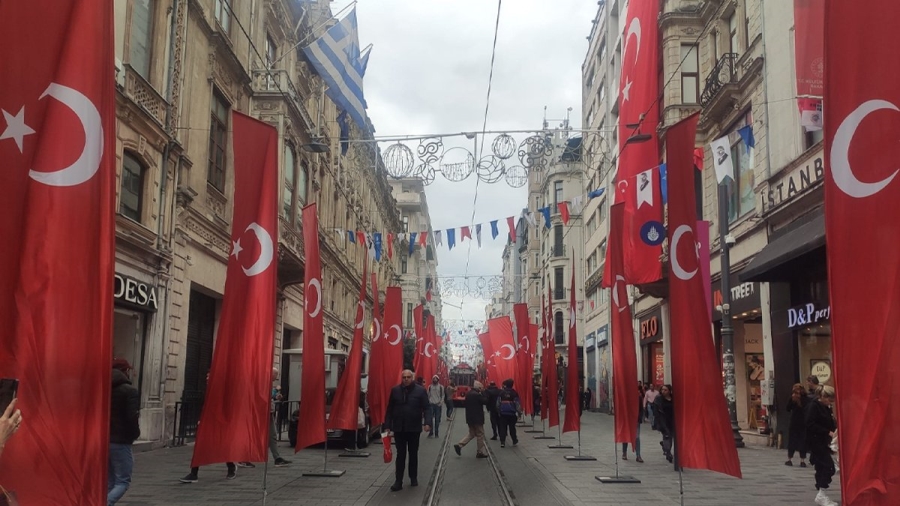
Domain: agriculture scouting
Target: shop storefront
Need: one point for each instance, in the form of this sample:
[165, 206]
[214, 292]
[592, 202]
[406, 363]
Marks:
[652, 352]
[604, 360]
[135, 304]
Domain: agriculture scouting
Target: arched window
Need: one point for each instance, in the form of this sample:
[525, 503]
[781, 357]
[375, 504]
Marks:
[290, 175]
[558, 327]
[132, 189]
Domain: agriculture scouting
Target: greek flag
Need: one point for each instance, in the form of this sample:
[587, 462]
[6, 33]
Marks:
[336, 58]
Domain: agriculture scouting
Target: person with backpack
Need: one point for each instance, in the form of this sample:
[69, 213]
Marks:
[492, 394]
[508, 409]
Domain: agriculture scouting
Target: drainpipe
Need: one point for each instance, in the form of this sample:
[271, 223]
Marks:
[765, 76]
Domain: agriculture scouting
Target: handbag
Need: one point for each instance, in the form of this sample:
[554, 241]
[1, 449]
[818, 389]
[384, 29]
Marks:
[388, 451]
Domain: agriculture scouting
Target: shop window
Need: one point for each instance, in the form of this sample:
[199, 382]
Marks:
[132, 187]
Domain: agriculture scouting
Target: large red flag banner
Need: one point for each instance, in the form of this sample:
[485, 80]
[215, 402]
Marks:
[377, 393]
[551, 370]
[504, 346]
[490, 365]
[703, 436]
[429, 351]
[312, 377]
[572, 422]
[545, 333]
[809, 46]
[862, 203]
[639, 91]
[419, 327]
[345, 406]
[392, 364]
[234, 422]
[625, 373]
[56, 264]
[523, 356]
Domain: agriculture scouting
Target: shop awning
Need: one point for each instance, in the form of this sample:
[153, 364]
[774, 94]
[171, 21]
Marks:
[804, 239]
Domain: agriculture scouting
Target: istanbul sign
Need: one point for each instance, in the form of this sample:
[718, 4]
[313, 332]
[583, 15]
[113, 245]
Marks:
[793, 182]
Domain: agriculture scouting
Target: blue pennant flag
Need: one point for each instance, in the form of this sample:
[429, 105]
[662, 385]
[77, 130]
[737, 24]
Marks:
[595, 193]
[664, 183]
[412, 241]
[494, 231]
[451, 238]
[546, 212]
[377, 241]
[747, 135]
[352, 236]
[337, 59]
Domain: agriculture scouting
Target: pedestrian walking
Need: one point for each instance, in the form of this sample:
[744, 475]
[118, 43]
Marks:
[796, 406]
[436, 397]
[406, 410]
[637, 439]
[275, 399]
[649, 397]
[820, 428]
[124, 429]
[193, 476]
[449, 393]
[665, 419]
[474, 404]
[536, 402]
[508, 409]
[492, 393]
[812, 386]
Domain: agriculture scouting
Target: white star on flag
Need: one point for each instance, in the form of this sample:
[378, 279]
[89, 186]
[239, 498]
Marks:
[16, 128]
[236, 250]
[627, 89]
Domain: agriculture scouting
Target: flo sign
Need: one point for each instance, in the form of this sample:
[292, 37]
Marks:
[134, 293]
[807, 314]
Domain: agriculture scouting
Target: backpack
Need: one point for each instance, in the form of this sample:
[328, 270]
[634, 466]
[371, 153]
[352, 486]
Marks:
[507, 403]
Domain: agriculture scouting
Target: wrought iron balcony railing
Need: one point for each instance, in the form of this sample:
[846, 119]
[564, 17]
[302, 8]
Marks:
[723, 73]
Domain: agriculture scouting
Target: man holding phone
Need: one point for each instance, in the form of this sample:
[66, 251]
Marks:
[123, 430]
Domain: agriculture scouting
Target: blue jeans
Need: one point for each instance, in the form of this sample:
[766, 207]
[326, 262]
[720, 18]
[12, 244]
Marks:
[435, 411]
[121, 464]
[637, 443]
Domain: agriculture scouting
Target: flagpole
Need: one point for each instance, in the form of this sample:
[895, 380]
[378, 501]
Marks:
[326, 473]
[580, 456]
[266, 480]
[543, 434]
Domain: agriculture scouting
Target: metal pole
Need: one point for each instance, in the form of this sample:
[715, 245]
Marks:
[727, 329]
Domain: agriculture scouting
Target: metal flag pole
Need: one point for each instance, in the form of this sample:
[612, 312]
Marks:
[580, 457]
[355, 452]
[543, 434]
[559, 446]
[326, 473]
[266, 480]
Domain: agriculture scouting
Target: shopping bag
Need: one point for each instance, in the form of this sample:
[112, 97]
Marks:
[388, 451]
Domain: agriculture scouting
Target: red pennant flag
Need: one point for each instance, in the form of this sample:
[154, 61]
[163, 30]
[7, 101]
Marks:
[551, 370]
[392, 364]
[312, 387]
[57, 180]
[390, 245]
[234, 409]
[704, 435]
[465, 233]
[698, 158]
[564, 212]
[572, 422]
[361, 239]
[625, 394]
[511, 223]
[862, 202]
[503, 345]
[376, 396]
[639, 90]
[523, 356]
[345, 405]
[423, 238]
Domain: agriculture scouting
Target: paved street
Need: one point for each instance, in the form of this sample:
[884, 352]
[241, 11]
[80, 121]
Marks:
[534, 474]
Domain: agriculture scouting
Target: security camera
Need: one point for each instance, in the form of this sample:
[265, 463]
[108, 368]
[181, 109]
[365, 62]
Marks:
[729, 239]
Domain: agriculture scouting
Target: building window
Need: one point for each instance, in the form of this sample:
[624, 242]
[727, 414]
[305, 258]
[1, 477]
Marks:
[812, 138]
[132, 190]
[409, 315]
[223, 15]
[218, 139]
[558, 241]
[733, 32]
[271, 51]
[429, 254]
[404, 265]
[714, 41]
[698, 192]
[690, 75]
[740, 192]
[603, 251]
[139, 47]
[558, 327]
[405, 224]
[558, 288]
[557, 192]
[290, 176]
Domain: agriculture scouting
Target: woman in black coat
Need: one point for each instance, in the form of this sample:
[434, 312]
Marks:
[664, 417]
[797, 428]
[820, 427]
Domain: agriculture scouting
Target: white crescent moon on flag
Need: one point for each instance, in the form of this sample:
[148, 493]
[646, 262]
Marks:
[87, 164]
[512, 351]
[571, 317]
[360, 311]
[266, 250]
[314, 283]
[525, 344]
[615, 291]
[676, 267]
[841, 170]
[399, 335]
[425, 350]
[377, 332]
[634, 29]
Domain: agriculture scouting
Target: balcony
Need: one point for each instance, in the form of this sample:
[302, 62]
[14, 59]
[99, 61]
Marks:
[139, 91]
[408, 199]
[277, 83]
[723, 76]
[290, 254]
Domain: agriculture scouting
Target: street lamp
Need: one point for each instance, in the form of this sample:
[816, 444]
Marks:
[727, 329]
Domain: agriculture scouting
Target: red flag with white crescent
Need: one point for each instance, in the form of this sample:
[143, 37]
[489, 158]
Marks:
[523, 356]
[862, 203]
[572, 422]
[376, 396]
[235, 419]
[392, 364]
[57, 197]
[345, 405]
[503, 345]
[312, 382]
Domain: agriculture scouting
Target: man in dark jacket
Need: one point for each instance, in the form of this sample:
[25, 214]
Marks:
[474, 404]
[508, 409]
[492, 393]
[125, 408]
[406, 409]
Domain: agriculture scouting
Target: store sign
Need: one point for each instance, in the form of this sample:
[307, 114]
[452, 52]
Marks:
[589, 342]
[602, 336]
[807, 314]
[785, 188]
[744, 297]
[821, 369]
[651, 326]
[135, 293]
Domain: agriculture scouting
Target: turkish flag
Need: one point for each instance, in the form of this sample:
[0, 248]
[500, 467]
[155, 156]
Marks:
[378, 386]
[639, 90]
[464, 233]
[533, 332]
[523, 355]
[234, 424]
[862, 203]
[345, 405]
[572, 422]
[392, 361]
[550, 369]
[488, 350]
[625, 372]
[57, 179]
[418, 325]
[503, 345]
[703, 436]
[312, 379]
[545, 334]
[429, 351]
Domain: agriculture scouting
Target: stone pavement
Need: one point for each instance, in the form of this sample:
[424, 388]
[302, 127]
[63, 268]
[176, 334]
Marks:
[535, 474]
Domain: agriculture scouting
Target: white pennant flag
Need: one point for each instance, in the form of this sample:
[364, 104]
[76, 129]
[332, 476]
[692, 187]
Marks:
[645, 188]
[529, 217]
[401, 237]
[577, 204]
[438, 241]
[721, 155]
[478, 234]
[370, 245]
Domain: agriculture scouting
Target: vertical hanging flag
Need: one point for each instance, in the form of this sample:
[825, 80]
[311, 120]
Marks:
[529, 217]
[703, 436]
[809, 46]
[465, 233]
[393, 335]
[546, 212]
[572, 422]
[564, 212]
[361, 238]
[58, 233]
[862, 203]
[644, 230]
[511, 223]
[721, 155]
[503, 345]
[412, 242]
[438, 241]
[478, 234]
[419, 326]
[577, 204]
[390, 245]
[376, 395]
[345, 405]
[494, 231]
[351, 236]
[451, 238]
[746, 134]
[523, 356]
[376, 240]
[312, 381]
[236, 414]
[423, 238]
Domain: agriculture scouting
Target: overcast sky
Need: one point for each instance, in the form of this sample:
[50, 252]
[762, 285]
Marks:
[428, 73]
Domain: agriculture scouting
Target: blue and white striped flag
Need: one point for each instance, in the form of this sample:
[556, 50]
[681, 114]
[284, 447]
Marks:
[336, 58]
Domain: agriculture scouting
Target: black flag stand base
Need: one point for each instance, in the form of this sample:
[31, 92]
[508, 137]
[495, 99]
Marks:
[355, 451]
[543, 435]
[579, 457]
[560, 446]
[617, 478]
[325, 472]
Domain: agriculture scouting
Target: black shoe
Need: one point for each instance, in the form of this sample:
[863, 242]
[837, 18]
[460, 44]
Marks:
[803, 464]
[502, 445]
[494, 438]
[246, 464]
[458, 449]
[516, 442]
[230, 475]
[481, 456]
[280, 462]
[413, 483]
[398, 485]
[789, 463]
[190, 478]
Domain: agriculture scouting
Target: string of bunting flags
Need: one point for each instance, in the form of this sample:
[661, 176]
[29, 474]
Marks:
[380, 244]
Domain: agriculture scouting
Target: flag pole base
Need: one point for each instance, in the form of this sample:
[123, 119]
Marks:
[544, 437]
[327, 473]
[560, 447]
[354, 453]
[532, 431]
[579, 457]
[617, 479]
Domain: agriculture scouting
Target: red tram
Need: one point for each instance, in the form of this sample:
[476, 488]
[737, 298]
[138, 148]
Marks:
[463, 376]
